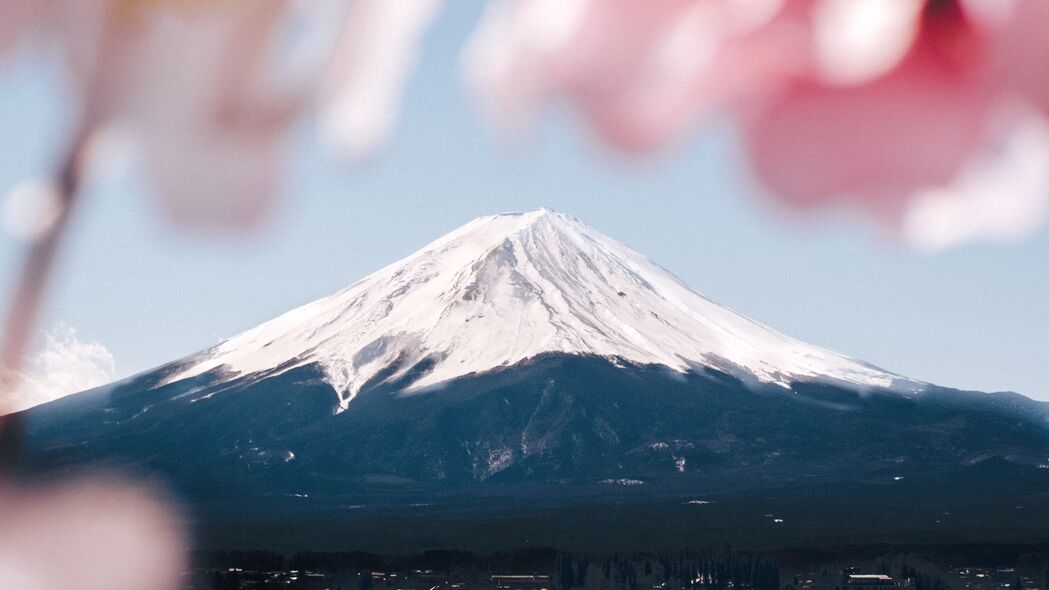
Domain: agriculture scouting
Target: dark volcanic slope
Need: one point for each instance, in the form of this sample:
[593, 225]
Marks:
[551, 450]
[555, 419]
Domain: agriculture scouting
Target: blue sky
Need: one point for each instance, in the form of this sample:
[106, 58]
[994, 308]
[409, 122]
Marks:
[972, 317]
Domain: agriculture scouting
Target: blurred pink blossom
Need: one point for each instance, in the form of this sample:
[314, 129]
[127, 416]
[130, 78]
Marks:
[92, 534]
[209, 92]
[638, 71]
[927, 114]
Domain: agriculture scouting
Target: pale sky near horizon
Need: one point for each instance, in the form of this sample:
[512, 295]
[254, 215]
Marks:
[972, 317]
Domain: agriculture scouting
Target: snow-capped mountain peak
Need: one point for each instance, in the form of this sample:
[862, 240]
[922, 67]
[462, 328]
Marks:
[505, 288]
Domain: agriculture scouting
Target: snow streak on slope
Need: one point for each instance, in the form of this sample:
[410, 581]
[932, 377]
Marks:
[505, 288]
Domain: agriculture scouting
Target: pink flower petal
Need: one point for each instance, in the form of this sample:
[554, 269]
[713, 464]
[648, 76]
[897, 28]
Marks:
[194, 87]
[1022, 46]
[858, 40]
[507, 59]
[641, 81]
[376, 54]
[876, 142]
[96, 535]
[1002, 194]
[21, 18]
[638, 71]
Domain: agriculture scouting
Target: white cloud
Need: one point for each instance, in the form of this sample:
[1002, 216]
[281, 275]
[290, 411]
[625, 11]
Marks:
[64, 365]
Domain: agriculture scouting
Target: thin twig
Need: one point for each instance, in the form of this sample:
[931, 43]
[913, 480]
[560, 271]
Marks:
[26, 303]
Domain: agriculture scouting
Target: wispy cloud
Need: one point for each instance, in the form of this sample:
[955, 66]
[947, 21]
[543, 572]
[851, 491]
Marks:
[65, 364]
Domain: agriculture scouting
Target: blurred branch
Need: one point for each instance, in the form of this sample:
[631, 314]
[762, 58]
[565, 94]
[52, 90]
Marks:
[28, 297]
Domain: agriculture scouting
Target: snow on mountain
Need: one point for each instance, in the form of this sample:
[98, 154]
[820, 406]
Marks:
[505, 288]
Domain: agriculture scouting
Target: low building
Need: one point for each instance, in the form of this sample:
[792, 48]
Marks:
[870, 582]
[521, 582]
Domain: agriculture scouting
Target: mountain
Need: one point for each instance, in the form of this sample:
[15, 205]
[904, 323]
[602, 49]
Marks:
[507, 288]
[529, 359]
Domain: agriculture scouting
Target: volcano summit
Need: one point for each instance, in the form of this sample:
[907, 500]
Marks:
[507, 288]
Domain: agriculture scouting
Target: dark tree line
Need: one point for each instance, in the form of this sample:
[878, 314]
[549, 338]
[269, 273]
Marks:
[923, 581]
[708, 570]
[703, 570]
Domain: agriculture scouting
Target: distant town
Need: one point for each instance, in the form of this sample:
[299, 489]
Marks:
[548, 569]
